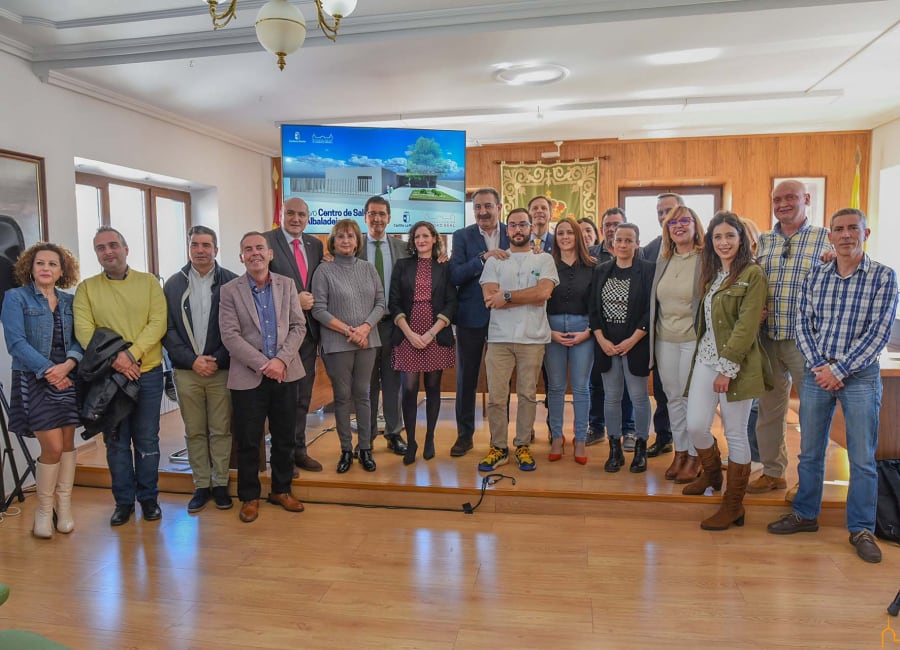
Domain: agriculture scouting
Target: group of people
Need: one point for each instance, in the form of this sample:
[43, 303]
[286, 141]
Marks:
[724, 319]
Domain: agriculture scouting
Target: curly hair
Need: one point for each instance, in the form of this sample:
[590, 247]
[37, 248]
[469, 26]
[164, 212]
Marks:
[68, 264]
[411, 239]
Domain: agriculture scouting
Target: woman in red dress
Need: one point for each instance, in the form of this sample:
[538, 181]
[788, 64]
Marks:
[422, 304]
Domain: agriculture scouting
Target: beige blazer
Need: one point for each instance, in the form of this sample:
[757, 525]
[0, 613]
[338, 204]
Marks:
[242, 335]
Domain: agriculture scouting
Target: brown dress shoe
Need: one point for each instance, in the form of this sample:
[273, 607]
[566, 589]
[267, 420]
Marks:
[286, 500]
[249, 510]
[307, 463]
[766, 483]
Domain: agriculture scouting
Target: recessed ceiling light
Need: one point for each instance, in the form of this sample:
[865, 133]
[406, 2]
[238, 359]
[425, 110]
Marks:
[685, 56]
[531, 74]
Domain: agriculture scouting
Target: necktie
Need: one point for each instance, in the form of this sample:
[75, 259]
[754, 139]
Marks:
[379, 260]
[538, 244]
[301, 261]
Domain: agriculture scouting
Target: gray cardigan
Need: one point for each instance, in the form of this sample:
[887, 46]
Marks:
[347, 289]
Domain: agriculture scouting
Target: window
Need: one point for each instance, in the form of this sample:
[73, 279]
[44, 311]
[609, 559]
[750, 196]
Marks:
[639, 204]
[154, 221]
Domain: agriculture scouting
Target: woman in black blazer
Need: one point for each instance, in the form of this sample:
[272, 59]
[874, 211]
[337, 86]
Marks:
[620, 318]
[422, 304]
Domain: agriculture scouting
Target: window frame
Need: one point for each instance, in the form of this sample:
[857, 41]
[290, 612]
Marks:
[150, 194]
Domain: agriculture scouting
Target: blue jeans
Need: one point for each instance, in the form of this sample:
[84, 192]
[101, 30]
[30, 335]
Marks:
[861, 401]
[615, 382]
[597, 416]
[561, 362]
[136, 475]
[751, 431]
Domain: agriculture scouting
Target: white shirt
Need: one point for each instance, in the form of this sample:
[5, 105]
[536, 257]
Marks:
[521, 323]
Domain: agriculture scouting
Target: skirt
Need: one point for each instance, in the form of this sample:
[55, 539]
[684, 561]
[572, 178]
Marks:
[35, 405]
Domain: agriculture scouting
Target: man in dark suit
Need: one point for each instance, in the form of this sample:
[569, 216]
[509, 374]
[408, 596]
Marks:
[298, 261]
[262, 326]
[540, 211]
[473, 245]
[383, 251]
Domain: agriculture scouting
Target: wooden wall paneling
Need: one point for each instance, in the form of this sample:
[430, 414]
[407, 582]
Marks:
[744, 164]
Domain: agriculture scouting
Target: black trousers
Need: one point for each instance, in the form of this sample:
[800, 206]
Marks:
[661, 423]
[277, 402]
[469, 351]
[304, 391]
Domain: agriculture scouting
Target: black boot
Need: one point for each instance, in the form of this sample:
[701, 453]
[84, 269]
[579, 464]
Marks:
[428, 453]
[616, 455]
[639, 462]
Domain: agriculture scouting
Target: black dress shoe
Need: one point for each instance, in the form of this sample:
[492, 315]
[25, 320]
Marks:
[151, 510]
[198, 501]
[121, 515]
[657, 449]
[366, 460]
[345, 462]
[221, 497]
[395, 444]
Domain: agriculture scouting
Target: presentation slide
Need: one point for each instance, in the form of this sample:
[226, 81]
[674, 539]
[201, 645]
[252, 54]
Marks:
[335, 169]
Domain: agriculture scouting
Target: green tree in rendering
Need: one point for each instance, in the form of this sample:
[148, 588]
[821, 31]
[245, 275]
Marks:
[425, 157]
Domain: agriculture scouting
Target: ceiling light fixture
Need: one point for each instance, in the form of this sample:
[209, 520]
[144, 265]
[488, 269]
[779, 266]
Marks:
[281, 27]
[530, 74]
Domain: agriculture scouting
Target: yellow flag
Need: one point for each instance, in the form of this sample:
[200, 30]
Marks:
[854, 191]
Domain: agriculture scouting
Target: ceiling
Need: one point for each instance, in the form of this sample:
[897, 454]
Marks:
[777, 66]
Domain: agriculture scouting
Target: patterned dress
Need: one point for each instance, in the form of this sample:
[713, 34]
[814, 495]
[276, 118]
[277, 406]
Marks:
[34, 404]
[406, 358]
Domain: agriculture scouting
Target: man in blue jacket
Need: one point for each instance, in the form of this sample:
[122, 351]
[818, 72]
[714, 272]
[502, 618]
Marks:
[201, 367]
[472, 246]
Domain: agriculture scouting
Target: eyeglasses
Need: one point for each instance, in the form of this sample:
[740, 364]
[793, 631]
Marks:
[681, 221]
[373, 215]
[521, 225]
[786, 249]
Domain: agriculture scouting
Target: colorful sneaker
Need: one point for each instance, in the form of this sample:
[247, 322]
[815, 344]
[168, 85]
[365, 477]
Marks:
[525, 459]
[495, 458]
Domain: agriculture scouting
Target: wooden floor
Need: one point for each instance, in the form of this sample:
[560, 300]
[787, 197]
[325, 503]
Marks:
[568, 557]
[335, 577]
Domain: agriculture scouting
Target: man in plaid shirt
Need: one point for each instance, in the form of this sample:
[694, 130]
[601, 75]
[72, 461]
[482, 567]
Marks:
[846, 311]
[786, 254]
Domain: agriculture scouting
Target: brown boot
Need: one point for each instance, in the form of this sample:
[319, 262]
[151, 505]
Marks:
[675, 467]
[711, 461]
[732, 509]
[689, 471]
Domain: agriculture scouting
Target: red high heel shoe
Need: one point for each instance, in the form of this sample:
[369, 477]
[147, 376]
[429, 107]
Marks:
[581, 460]
[555, 457]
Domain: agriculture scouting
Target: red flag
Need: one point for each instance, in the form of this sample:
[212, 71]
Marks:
[276, 192]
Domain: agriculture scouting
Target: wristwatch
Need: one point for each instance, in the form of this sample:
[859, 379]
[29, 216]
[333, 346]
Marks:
[482, 257]
[507, 296]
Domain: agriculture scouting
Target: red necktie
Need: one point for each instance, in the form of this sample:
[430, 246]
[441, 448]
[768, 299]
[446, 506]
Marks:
[301, 261]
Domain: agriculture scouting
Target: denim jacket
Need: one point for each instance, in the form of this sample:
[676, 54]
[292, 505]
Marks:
[28, 328]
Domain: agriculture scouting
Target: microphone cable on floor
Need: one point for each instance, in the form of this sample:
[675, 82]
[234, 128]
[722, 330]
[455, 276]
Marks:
[466, 508]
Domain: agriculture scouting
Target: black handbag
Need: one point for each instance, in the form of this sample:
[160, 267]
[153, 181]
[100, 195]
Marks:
[887, 513]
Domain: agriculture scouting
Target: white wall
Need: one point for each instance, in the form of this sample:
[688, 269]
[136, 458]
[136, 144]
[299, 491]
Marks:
[60, 125]
[885, 155]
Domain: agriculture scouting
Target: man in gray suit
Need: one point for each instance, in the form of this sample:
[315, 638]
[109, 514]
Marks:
[383, 251]
[296, 255]
[262, 326]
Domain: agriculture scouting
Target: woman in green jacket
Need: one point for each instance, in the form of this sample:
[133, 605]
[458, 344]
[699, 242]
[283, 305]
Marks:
[729, 367]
